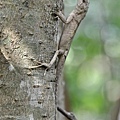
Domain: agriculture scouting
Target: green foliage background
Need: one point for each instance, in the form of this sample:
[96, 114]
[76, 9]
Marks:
[92, 63]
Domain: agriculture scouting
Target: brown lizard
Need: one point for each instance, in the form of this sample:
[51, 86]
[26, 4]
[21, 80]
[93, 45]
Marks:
[69, 30]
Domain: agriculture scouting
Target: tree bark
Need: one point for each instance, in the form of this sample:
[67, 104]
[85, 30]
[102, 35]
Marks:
[28, 33]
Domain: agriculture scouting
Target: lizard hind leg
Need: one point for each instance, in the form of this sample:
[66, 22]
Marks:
[48, 65]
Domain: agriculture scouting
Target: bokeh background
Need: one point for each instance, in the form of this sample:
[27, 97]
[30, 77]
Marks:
[92, 67]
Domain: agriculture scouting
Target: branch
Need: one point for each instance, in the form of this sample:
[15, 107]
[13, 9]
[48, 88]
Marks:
[68, 115]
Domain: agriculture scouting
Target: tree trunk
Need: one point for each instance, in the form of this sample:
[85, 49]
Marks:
[28, 33]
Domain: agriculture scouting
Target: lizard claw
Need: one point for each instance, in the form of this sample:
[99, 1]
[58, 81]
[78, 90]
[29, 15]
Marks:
[40, 65]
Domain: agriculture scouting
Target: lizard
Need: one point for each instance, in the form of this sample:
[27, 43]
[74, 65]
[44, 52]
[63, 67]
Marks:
[70, 26]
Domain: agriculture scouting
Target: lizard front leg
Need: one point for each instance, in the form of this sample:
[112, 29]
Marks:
[63, 18]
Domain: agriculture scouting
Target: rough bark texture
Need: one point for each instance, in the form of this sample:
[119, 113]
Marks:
[28, 32]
